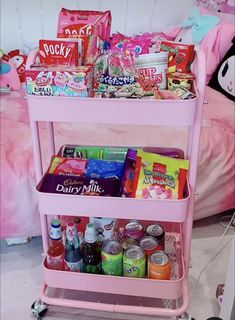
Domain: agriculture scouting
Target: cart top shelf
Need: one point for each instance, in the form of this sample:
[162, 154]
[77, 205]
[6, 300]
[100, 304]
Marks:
[113, 111]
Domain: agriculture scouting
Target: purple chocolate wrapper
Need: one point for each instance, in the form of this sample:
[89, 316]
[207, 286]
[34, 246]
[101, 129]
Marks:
[75, 185]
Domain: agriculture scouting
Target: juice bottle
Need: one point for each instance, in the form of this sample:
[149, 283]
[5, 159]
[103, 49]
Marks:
[55, 253]
[91, 252]
[73, 254]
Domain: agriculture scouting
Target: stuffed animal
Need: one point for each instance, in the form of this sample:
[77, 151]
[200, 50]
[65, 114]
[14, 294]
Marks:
[20, 61]
[9, 78]
[223, 78]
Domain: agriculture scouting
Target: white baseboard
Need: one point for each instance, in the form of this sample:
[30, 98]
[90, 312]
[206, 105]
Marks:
[21, 240]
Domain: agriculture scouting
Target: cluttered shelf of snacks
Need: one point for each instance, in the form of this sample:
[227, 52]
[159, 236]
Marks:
[146, 69]
[116, 256]
[149, 183]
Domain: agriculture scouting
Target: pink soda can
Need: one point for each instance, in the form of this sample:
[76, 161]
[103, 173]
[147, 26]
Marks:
[134, 229]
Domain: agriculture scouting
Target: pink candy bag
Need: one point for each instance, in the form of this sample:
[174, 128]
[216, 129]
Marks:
[91, 27]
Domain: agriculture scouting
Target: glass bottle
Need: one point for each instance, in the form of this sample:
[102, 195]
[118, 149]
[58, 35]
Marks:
[73, 254]
[91, 252]
[55, 253]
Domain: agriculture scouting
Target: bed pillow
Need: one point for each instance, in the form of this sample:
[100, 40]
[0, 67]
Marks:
[223, 78]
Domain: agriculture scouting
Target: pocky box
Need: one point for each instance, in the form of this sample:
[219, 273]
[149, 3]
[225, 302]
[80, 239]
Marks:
[59, 81]
[58, 52]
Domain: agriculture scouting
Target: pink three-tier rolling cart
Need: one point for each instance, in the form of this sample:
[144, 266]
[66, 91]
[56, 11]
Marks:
[171, 296]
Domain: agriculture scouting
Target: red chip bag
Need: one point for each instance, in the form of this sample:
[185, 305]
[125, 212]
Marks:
[180, 56]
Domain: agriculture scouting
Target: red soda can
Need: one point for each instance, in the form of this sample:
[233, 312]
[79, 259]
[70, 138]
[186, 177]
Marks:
[149, 244]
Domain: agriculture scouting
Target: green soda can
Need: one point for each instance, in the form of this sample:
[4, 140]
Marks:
[134, 262]
[112, 258]
[97, 153]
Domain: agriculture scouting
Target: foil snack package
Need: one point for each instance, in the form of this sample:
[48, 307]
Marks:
[161, 177]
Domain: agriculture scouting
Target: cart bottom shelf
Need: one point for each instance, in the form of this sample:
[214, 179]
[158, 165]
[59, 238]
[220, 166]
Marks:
[129, 286]
[116, 303]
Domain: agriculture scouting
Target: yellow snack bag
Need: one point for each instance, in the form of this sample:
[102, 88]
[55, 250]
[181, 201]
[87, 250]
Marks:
[161, 177]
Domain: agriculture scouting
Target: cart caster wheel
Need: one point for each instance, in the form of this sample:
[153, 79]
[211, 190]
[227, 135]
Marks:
[39, 309]
[185, 316]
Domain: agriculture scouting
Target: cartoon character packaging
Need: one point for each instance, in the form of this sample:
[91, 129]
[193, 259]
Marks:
[93, 27]
[59, 81]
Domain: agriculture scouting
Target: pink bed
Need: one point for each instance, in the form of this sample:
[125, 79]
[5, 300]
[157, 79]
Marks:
[216, 172]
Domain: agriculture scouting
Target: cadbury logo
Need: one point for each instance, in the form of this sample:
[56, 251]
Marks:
[57, 49]
[71, 182]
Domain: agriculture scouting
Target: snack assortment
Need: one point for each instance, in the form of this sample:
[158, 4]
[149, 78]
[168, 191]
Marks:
[111, 247]
[131, 173]
[87, 61]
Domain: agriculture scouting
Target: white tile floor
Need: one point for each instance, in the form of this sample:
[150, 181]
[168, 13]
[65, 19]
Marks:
[21, 277]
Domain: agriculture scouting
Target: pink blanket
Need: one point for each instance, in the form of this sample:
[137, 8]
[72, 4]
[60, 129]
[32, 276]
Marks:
[216, 172]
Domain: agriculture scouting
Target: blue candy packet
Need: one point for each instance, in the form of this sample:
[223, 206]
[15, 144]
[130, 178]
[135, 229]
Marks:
[104, 169]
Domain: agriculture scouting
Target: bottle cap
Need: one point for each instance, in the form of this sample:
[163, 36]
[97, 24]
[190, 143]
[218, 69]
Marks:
[71, 231]
[55, 230]
[90, 233]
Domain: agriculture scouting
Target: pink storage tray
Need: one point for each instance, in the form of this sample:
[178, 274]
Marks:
[120, 208]
[164, 289]
[115, 111]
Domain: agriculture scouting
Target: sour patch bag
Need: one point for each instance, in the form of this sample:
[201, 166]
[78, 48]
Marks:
[161, 177]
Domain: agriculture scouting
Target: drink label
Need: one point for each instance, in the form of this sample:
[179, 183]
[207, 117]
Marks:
[55, 263]
[74, 266]
[55, 232]
[92, 269]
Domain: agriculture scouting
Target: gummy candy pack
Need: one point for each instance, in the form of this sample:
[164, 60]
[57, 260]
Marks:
[91, 168]
[161, 177]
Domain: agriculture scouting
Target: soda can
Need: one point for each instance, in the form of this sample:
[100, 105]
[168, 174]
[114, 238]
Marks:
[159, 266]
[134, 229]
[128, 242]
[134, 262]
[149, 244]
[111, 257]
[157, 231]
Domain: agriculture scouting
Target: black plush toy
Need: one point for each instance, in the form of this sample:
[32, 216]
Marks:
[223, 79]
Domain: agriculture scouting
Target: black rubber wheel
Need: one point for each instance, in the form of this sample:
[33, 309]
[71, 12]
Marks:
[39, 309]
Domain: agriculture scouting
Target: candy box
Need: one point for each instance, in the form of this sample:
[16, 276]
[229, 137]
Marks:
[180, 55]
[176, 79]
[59, 81]
[58, 52]
[93, 27]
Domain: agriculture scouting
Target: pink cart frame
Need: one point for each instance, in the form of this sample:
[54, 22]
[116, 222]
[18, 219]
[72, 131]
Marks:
[186, 113]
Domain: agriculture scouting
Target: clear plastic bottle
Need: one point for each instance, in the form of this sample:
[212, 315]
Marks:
[91, 251]
[55, 253]
[73, 254]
